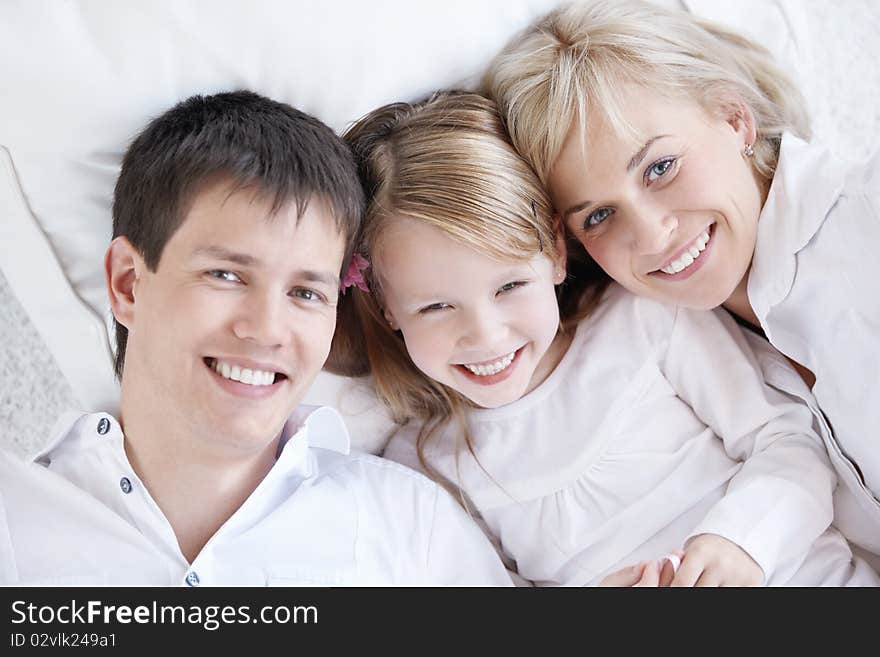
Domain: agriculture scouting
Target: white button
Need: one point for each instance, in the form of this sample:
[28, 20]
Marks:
[125, 485]
[192, 579]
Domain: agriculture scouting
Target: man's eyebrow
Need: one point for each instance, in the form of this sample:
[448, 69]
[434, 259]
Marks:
[245, 260]
[638, 157]
[220, 253]
[325, 277]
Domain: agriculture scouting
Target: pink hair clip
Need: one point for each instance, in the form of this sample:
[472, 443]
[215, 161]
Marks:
[354, 275]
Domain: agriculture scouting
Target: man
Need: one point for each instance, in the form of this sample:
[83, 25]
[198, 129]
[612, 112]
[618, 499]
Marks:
[233, 218]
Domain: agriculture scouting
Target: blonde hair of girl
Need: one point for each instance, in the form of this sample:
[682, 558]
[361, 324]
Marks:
[578, 58]
[446, 161]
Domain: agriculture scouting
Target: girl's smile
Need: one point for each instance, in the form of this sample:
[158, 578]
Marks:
[480, 326]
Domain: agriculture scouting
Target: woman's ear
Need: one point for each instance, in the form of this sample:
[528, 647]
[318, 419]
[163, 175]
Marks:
[741, 118]
[122, 269]
[559, 263]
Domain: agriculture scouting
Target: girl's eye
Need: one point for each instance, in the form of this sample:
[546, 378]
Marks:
[434, 307]
[507, 287]
[223, 275]
[596, 217]
[658, 170]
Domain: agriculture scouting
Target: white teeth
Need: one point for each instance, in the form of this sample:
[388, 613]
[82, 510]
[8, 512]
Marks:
[687, 258]
[244, 375]
[493, 367]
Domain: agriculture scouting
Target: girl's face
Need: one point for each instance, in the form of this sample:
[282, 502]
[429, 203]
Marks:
[671, 214]
[481, 327]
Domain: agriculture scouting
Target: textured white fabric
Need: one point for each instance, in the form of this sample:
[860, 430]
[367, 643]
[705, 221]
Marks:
[82, 77]
[657, 425]
[79, 515]
[814, 288]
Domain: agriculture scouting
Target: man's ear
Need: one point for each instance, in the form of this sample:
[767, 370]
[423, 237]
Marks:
[559, 264]
[123, 266]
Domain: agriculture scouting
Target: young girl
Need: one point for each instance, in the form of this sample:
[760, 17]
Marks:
[675, 151]
[587, 428]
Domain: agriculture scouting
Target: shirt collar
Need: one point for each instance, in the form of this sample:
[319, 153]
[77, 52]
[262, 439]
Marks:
[807, 183]
[307, 426]
[310, 427]
[78, 431]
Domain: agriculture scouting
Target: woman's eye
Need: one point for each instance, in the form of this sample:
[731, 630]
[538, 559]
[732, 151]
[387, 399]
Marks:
[597, 217]
[507, 287]
[658, 170]
[223, 275]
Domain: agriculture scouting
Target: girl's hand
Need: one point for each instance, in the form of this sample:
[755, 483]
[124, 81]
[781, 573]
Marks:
[711, 560]
[644, 573]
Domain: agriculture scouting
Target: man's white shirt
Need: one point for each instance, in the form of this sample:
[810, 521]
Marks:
[79, 515]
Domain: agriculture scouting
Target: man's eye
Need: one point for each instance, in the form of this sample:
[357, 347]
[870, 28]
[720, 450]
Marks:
[308, 295]
[223, 275]
[658, 170]
[597, 217]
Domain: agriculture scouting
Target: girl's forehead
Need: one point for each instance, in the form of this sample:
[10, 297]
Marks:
[403, 235]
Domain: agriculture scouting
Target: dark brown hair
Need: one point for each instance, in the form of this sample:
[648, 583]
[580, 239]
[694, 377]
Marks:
[283, 154]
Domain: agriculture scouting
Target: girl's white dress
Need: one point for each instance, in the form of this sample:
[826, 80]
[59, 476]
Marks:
[658, 424]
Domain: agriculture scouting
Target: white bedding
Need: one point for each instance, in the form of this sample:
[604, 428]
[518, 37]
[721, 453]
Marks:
[79, 79]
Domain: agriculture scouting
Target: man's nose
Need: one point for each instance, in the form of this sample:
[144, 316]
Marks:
[261, 319]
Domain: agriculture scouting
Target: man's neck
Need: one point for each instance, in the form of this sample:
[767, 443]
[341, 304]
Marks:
[197, 485]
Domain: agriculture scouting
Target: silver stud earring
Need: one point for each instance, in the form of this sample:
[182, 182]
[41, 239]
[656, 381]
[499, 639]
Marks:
[748, 151]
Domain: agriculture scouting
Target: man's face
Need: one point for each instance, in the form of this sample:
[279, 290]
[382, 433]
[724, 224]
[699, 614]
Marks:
[228, 333]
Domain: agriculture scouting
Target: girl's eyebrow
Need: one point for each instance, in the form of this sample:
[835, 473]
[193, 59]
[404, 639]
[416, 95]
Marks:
[636, 159]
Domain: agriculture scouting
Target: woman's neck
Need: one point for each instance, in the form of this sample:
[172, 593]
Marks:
[738, 303]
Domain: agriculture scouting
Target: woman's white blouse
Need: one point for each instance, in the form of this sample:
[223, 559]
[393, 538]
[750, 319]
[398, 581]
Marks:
[815, 289]
[657, 425]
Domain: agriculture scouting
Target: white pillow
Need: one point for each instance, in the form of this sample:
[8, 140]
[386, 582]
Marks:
[82, 78]
[87, 76]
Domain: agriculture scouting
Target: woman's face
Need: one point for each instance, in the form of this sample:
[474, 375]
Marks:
[670, 213]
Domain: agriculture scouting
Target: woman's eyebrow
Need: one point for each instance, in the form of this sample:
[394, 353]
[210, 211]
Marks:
[635, 161]
[638, 157]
